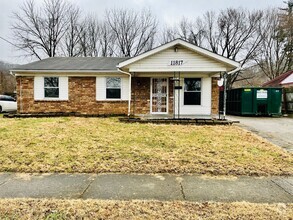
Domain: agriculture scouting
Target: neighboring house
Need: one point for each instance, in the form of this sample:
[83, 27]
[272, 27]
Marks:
[284, 80]
[177, 77]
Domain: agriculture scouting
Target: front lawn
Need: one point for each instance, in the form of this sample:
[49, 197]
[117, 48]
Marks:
[99, 209]
[101, 145]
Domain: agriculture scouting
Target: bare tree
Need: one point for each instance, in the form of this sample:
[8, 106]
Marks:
[38, 31]
[93, 31]
[286, 24]
[271, 57]
[106, 40]
[168, 34]
[134, 32]
[233, 34]
[192, 32]
[71, 37]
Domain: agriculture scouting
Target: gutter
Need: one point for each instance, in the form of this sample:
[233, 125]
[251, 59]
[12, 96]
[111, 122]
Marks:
[129, 86]
[225, 88]
[64, 71]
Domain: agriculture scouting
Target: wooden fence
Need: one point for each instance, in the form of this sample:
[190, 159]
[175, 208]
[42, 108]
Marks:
[288, 100]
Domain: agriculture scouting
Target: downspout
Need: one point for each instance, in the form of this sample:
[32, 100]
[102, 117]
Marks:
[225, 89]
[129, 86]
[19, 99]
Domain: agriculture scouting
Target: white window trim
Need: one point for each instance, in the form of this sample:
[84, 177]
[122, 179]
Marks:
[115, 99]
[61, 87]
[192, 91]
[52, 98]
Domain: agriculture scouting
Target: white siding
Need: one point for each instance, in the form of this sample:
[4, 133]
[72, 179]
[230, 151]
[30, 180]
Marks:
[101, 88]
[125, 88]
[192, 62]
[63, 88]
[289, 79]
[39, 87]
[206, 94]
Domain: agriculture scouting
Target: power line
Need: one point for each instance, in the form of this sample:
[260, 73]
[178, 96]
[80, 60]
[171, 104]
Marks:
[7, 41]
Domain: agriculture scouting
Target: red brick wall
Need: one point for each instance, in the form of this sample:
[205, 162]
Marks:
[215, 96]
[140, 95]
[82, 99]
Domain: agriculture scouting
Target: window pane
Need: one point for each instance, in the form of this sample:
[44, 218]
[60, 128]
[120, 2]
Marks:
[113, 94]
[192, 98]
[51, 81]
[113, 82]
[192, 84]
[52, 92]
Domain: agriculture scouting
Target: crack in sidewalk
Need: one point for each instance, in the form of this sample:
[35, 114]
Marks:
[182, 191]
[5, 181]
[275, 182]
[88, 186]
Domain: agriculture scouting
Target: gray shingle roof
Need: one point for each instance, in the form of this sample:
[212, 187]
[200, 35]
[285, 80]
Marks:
[74, 63]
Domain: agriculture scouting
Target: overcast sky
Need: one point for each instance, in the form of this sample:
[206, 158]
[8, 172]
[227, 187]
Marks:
[167, 11]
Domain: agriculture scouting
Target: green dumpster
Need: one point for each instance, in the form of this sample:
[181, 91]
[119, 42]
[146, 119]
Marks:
[254, 101]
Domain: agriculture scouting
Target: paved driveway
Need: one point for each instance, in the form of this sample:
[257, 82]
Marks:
[277, 130]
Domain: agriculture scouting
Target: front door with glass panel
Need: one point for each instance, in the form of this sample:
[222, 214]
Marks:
[159, 95]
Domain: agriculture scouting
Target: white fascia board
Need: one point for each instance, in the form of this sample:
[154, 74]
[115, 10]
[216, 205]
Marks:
[67, 71]
[185, 44]
[200, 69]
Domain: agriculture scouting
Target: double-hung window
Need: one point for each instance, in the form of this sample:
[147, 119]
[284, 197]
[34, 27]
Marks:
[51, 87]
[192, 91]
[113, 88]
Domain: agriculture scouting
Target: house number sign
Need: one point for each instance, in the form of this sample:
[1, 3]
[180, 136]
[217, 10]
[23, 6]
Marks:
[176, 62]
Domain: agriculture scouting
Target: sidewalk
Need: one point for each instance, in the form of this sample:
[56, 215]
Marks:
[159, 187]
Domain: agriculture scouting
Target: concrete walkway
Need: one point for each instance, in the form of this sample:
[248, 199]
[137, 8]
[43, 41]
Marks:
[279, 131]
[158, 187]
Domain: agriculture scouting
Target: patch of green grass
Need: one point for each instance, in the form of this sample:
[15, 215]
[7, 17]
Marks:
[105, 145]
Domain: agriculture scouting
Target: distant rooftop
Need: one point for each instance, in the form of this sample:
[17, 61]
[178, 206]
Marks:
[74, 63]
[278, 80]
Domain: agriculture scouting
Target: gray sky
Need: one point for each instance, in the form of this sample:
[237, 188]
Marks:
[167, 11]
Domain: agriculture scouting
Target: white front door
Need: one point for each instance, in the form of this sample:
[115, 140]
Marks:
[159, 95]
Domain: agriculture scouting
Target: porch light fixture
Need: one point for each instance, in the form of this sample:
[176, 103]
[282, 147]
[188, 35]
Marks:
[220, 82]
[175, 49]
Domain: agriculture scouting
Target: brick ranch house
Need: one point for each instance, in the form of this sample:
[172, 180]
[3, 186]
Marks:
[174, 78]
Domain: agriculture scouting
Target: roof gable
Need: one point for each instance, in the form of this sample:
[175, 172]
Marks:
[184, 44]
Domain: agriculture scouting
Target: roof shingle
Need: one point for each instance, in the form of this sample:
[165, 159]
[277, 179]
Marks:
[74, 63]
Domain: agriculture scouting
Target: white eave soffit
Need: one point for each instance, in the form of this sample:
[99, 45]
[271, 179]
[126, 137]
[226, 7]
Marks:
[182, 43]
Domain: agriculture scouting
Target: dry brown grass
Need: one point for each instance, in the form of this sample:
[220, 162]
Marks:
[101, 145]
[99, 209]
